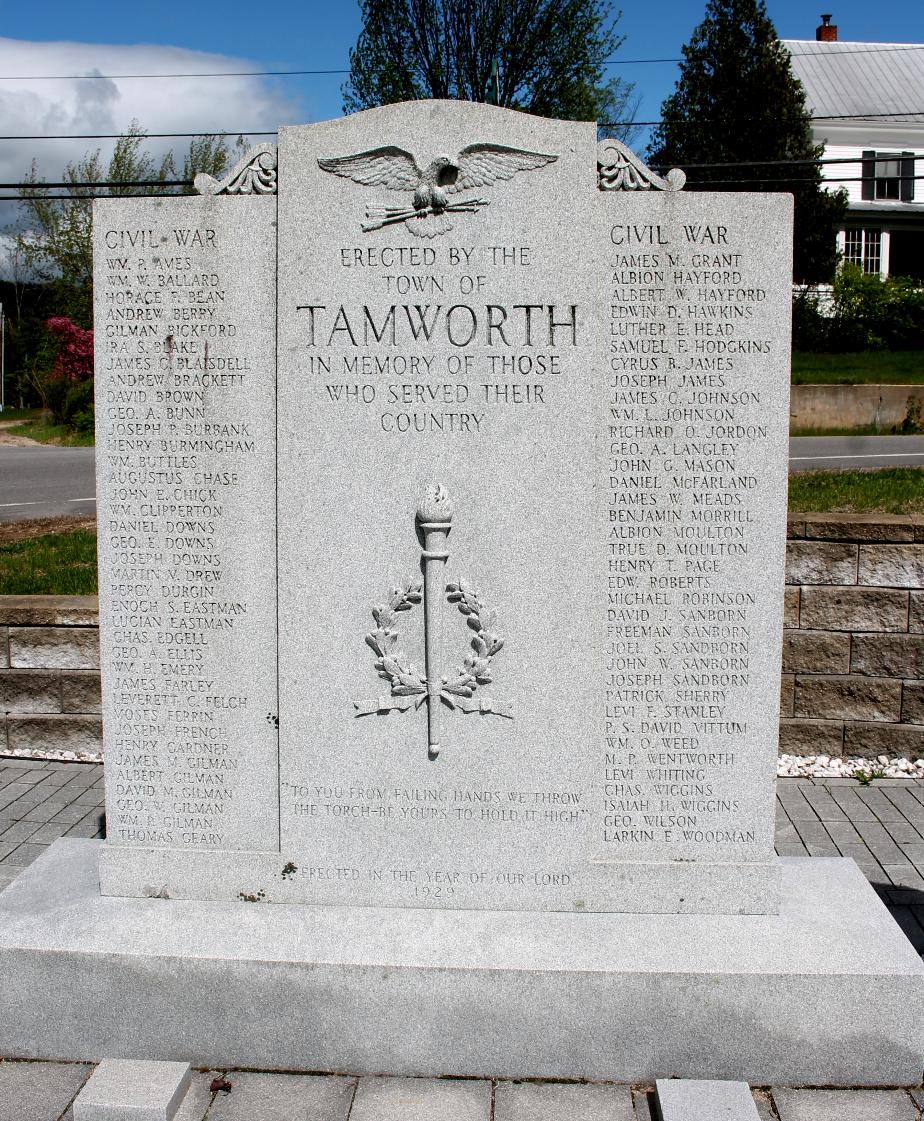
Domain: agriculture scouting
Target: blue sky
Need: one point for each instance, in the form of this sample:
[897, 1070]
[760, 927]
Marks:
[54, 37]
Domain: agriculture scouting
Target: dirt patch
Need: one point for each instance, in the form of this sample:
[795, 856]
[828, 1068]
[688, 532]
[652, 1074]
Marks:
[7, 439]
[38, 527]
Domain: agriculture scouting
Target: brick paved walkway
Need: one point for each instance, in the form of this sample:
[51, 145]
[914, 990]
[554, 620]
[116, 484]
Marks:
[880, 825]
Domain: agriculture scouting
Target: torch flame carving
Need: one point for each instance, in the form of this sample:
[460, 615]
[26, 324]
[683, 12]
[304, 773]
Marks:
[434, 515]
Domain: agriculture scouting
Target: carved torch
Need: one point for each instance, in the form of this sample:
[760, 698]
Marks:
[434, 516]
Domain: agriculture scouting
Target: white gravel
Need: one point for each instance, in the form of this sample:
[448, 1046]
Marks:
[824, 766]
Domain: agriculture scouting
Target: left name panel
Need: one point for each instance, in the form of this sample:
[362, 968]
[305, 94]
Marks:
[185, 453]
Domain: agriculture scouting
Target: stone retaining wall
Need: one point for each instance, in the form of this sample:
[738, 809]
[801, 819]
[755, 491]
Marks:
[853, 648]
[49, 673]
[851, 406]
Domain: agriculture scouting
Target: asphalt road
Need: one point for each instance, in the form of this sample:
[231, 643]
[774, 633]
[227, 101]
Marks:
[827, 453]
[42, 481]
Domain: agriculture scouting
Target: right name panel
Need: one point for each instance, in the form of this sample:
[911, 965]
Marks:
[692, 506]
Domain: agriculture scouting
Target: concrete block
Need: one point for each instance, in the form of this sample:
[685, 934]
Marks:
[25, 690]
[683, 1099]
[421, 1099]
[787, 693]
[816, 652]
[39, 1091]
[853, 609]
[811, 737]
[873, 740]
[916, 612]
[886, 655]
[284, 1097]
[68, 732]
[528, 1101]
[80, 691]
[827, 992]
[54, 647]
[913, 702]
[49, 611]
[891, 566]
[843, 1105]
[821, 562]
[791, 607]
[4, 647]
[859, 527]
[848, 698]
[795, 526]
[133, 1090]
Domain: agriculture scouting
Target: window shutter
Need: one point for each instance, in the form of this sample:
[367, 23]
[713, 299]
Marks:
[906, 186]
[868, 183]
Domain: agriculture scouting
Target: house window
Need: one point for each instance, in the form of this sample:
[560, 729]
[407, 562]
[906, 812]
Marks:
[863, 248]
[888, 176]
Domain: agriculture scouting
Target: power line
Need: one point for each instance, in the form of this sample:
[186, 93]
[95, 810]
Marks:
[274, 132]
[824, 53]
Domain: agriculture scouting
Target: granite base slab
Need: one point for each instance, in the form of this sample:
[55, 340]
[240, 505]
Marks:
[829, 992]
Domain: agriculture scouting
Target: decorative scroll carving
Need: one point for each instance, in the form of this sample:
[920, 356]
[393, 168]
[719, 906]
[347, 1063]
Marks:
[620, 169]
[253, 174]
[478, 165]
[409, 687]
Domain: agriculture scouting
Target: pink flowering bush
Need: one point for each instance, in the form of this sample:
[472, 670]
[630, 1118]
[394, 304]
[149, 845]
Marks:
[70, 389]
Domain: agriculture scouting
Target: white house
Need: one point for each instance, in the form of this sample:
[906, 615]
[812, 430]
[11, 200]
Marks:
[867, 104]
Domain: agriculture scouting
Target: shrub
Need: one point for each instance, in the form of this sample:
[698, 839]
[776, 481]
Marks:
[70, 384]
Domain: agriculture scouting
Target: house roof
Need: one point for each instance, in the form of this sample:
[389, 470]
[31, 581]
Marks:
[865, 81]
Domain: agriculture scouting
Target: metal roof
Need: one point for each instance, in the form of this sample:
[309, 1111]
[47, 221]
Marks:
[861, 80]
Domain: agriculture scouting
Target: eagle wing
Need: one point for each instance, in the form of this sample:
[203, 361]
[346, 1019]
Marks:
[482, 164]
[381, 167]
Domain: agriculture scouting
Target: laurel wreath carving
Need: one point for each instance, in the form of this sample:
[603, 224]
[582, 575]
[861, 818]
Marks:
[394, 666]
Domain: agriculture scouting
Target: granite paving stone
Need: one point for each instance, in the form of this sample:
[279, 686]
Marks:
[133, 1090]
[687, 1099]
[525, 1101]
[421, 1099]
[844, 1105]
[281, 1097]
[39, 1091]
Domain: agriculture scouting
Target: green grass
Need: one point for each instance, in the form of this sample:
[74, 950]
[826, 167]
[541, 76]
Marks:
[54, 564]
[890, 490]
[44, 433]
[860, 430]
[891, 367]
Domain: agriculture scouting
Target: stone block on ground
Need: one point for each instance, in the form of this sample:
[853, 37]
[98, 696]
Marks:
[916, 612]
[821, 562]
[682, 1099]
[843, 1105]
[4, 647]
[816, 652]
[891, 566]
[76, 732]
[49, 611]
[913, 702]
[848, 698]
[133, 1090]
[859, 527]
[887, 655]
[421, 1099]
[54, 648]
[557, 1101]
[80, 691]
[30, 690]
[38, 1091]
[787, 694]
[791, 607]
[283, 1097]
[873, 740]
[854, 609]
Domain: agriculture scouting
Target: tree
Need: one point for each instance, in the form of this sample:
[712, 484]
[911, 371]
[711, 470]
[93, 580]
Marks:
[55, 237]
[540, 56]
[738, 102]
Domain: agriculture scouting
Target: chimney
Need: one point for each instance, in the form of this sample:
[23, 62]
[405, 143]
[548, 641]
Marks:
[827, 33]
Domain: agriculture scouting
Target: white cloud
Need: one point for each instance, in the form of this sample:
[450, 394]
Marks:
[108, 105]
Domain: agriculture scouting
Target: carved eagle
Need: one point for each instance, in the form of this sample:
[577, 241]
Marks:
[477, 165]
